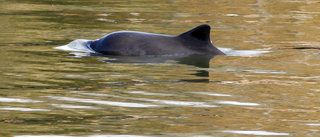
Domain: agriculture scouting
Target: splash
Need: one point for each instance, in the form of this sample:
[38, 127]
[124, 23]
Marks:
[231, 52]
[79, 45]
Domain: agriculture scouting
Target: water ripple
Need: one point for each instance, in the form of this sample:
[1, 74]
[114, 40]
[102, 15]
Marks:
[236, 103]
[117, 136]
[72, 106]
[94, 94]
[179, 103]
[313, 124]
[149, 93]
[157, 101]
[42, 136]
[18, 100]
[258, 133]
[212, 94]
[22, 109]
[81, 136]
[102, 102]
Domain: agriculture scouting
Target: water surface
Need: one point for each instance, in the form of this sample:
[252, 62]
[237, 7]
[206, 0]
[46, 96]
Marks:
[50, 92]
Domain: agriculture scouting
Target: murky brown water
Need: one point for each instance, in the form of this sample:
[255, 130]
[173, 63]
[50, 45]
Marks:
[49, 92]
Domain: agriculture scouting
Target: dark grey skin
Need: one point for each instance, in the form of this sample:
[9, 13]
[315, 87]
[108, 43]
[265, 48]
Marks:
[131, 43]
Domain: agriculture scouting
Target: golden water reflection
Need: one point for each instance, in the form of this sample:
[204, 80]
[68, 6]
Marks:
[45, 91]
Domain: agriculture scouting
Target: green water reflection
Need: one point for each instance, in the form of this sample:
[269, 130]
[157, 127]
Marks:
[44, 91]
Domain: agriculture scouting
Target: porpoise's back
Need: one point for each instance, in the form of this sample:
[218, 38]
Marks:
[132, 43]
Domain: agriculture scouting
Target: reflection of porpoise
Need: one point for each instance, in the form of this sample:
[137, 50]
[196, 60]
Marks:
[131, 43]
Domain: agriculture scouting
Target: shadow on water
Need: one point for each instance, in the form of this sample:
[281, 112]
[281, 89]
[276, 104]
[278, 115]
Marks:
[197, 60]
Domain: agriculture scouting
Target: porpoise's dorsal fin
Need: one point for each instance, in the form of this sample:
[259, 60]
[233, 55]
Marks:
[201, 32]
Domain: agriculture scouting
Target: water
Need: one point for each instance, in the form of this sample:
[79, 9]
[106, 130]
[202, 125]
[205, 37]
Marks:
[268, 85]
